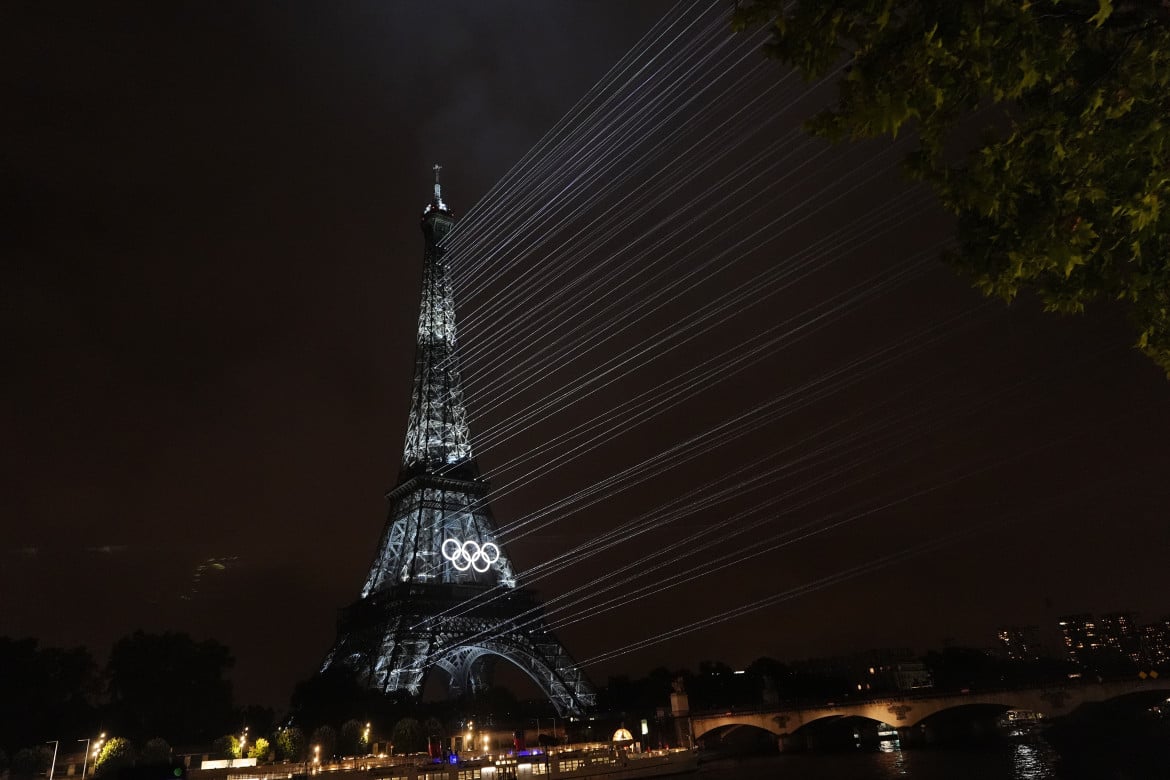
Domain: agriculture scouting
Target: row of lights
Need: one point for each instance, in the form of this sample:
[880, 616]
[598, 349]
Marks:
[96, 745]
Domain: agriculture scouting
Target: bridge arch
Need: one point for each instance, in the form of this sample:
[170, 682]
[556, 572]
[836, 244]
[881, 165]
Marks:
[467, 670]
[841, 732]
[1147, 697]
[738, 738]
[908, 711]
[773, 723]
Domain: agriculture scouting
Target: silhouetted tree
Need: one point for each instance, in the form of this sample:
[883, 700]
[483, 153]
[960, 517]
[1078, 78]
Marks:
[335, 696]
[712, 686]
[323, 743]
[640, 695]
[407, 736]
[490, 702]
[43, 692]
[227, 745]
[259, 719]
[169, 684]
[349, 741]
[30, 762]
[433, 727]
[156, 751]
[954, 668]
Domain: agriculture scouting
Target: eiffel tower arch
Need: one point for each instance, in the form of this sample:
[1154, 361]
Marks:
[441, 591]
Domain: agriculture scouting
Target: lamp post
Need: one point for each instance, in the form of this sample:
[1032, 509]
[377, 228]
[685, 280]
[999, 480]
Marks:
[53, 767]
[84, 756]
[101, 740]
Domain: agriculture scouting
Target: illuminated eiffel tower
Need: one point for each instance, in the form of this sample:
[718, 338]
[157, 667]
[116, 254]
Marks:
[441, 591]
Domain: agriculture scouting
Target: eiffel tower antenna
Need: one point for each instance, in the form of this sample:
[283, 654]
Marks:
[422, 604]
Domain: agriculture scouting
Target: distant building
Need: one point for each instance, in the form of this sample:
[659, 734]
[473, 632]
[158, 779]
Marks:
[1116, 636]
[1119, 633]
[1020, 643]
[1154, 639]
[1082, 640]
[876, 671]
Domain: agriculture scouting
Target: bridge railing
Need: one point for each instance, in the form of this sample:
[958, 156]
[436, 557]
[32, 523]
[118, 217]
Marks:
[805, 703]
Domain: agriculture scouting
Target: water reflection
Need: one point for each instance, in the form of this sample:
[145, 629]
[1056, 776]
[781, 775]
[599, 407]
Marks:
[899, 762]
[1028, 760]
[1032, 762]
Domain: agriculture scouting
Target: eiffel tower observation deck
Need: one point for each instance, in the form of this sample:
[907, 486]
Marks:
[442, 591]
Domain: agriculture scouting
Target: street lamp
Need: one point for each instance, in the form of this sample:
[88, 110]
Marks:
[54, 765]
[97, 747]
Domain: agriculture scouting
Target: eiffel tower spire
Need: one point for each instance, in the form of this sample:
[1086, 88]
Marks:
[431, 597]
[436, 435]
[439, 496]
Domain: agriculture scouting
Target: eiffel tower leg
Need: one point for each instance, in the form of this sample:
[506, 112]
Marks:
[479, 674]
[538, 653]
[465, 669]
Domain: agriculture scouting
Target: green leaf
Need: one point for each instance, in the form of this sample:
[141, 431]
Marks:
[1104, 10]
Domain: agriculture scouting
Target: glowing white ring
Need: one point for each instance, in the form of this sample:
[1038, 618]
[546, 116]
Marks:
[470, 554]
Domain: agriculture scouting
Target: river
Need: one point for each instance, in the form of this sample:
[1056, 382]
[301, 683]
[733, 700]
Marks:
[1022, 761]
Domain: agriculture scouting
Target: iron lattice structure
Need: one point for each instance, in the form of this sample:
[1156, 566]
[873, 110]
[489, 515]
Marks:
[441, 591]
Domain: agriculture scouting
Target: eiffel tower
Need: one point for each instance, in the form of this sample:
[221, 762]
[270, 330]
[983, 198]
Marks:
[442, 591]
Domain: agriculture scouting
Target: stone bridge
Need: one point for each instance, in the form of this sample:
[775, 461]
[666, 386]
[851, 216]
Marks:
[908, 711]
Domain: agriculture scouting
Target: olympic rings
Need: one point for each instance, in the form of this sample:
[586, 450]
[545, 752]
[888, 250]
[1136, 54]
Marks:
[470, 554]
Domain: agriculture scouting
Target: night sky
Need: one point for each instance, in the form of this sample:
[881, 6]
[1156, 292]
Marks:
[211, 272]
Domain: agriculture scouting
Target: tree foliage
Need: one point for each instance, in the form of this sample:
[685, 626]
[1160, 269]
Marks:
[156, 751]
[170, 684]
[43, 691]
[351, 741]
[290, 744]
[260, 750]
[227, 745]
[334, 696]
[1068, 191]
[116, 754]
[324, 741]
[30, 762]
[407, 736]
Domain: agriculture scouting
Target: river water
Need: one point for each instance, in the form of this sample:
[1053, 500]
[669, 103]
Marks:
[1022, 761]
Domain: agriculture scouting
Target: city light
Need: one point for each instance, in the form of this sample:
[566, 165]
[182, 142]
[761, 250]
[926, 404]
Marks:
[97, 745]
